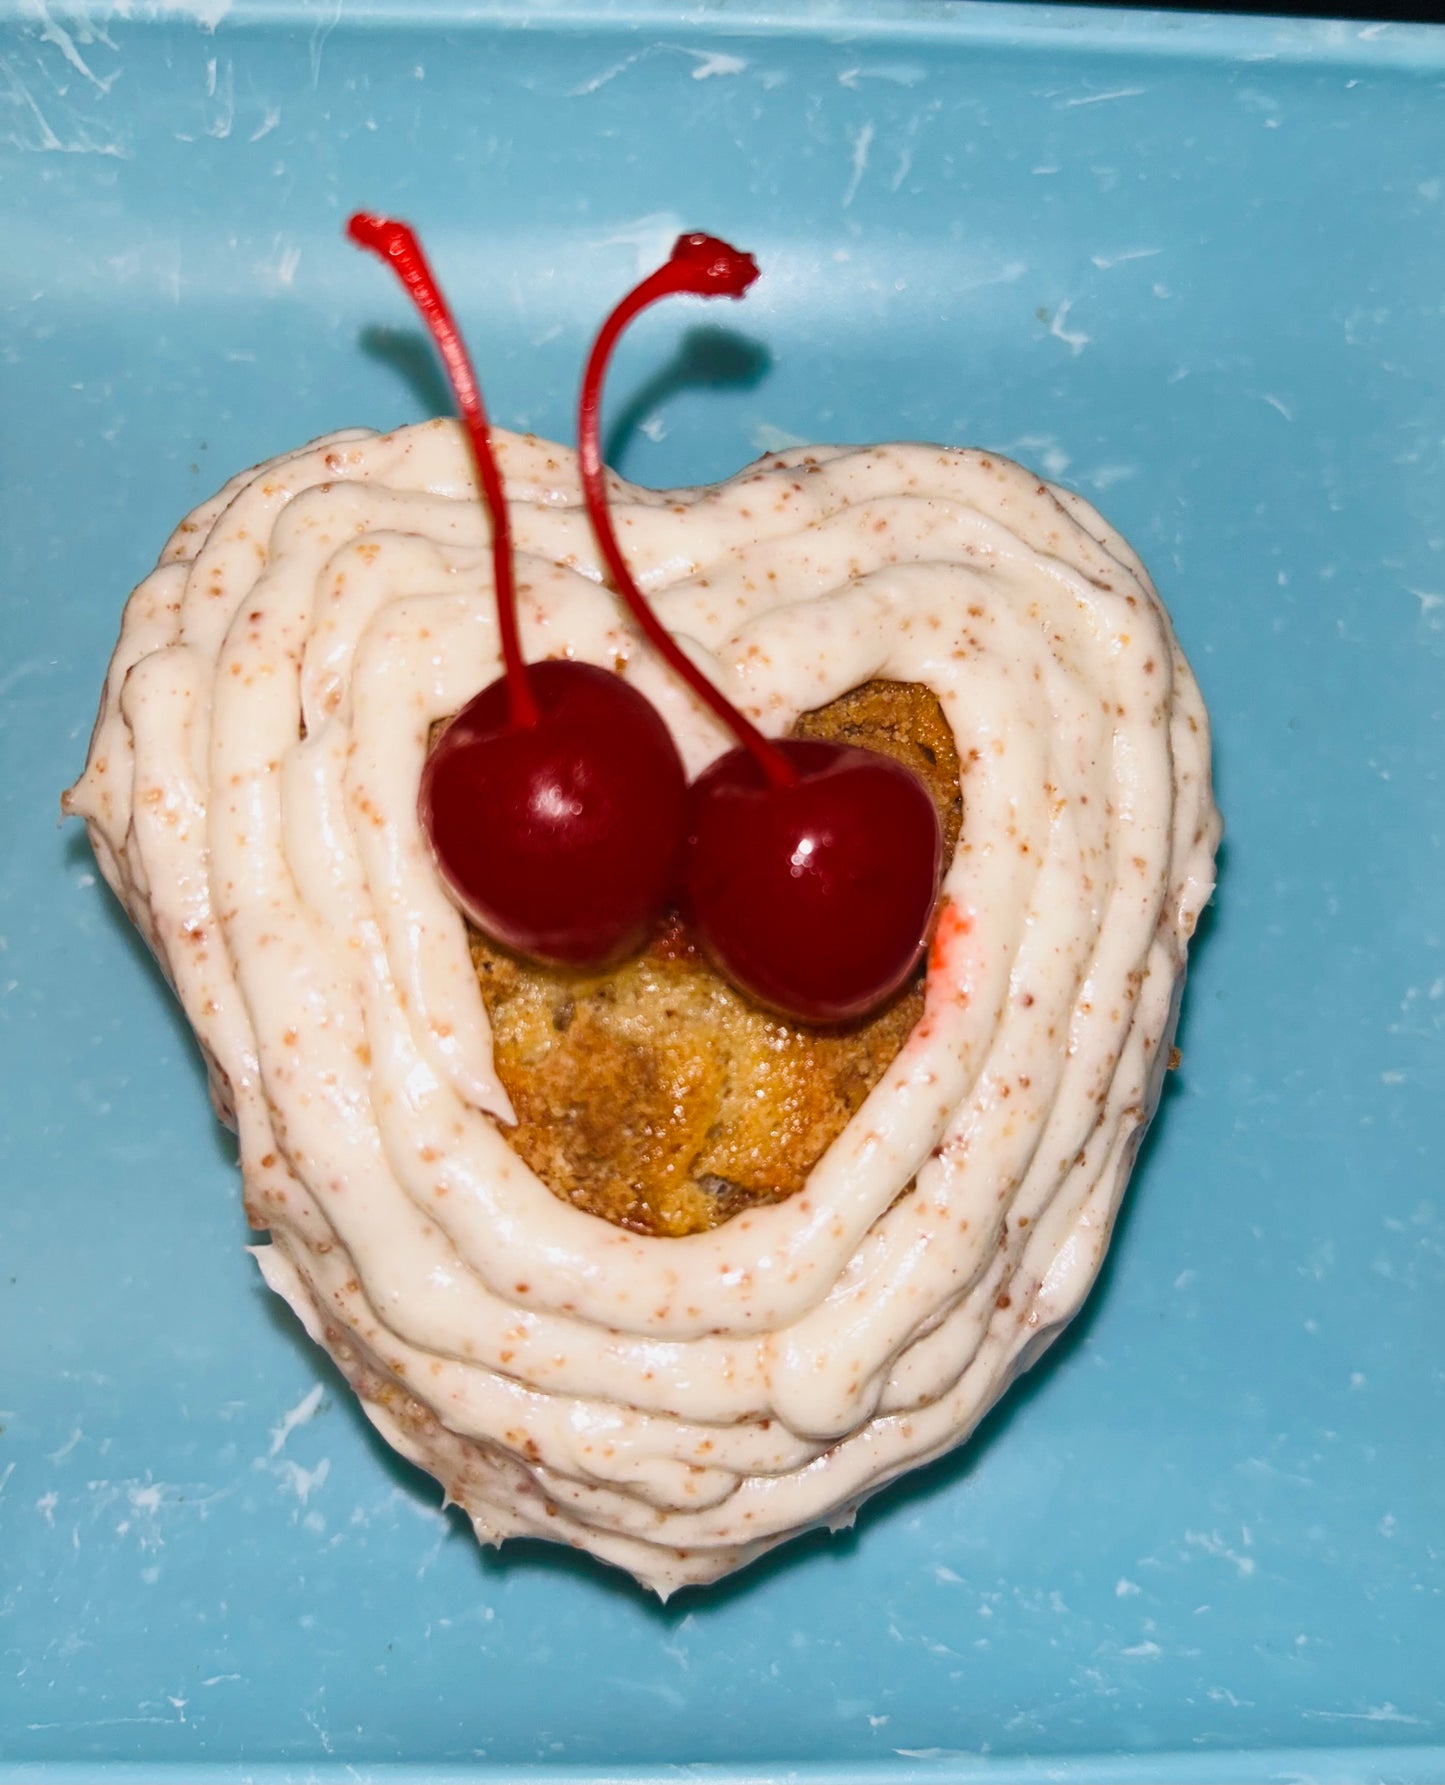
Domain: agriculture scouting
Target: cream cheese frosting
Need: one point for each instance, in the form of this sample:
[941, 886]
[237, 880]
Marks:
[675, 1406]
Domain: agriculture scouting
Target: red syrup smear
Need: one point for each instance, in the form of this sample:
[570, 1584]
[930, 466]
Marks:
[554, 801]
[810, 869]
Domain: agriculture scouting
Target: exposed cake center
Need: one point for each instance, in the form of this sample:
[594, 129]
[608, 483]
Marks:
[657, 1096]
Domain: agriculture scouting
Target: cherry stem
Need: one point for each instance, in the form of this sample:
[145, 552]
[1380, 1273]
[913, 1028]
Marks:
[397, 245]
[700, 266]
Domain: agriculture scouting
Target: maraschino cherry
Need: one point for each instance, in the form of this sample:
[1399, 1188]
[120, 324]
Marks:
[810, 869]
[554, 801]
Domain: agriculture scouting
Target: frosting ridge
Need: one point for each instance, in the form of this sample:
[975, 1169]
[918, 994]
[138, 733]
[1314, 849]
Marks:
[674, 1405]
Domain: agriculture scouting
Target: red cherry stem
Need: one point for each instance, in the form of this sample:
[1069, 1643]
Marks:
[700, 266]
[397, 245]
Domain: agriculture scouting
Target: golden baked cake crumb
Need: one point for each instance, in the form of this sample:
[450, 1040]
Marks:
[657, 1096]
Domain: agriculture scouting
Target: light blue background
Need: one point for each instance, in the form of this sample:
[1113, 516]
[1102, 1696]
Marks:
[1193, 268]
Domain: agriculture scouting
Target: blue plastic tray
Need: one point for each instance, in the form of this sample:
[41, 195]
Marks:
[1195, 268]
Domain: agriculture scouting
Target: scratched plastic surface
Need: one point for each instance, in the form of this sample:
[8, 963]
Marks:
[1194, 268]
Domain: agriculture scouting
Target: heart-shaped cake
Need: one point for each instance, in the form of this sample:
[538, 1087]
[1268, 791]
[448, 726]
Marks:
[621, 1259]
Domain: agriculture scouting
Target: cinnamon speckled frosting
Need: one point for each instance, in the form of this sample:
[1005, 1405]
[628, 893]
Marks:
[675, 1406]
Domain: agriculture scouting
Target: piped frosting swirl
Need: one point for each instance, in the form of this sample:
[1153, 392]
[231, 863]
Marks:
[673, 1405]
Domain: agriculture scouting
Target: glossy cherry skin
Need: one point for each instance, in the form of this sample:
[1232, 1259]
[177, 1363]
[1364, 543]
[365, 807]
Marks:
[560, 839]
[815, 898]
